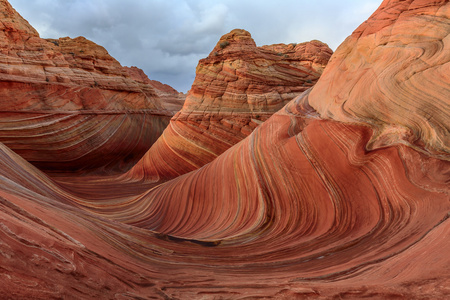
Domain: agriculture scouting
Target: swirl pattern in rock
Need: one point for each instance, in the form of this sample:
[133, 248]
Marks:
[237, 87]
[305, 207]
[393, 74]
[66, 103]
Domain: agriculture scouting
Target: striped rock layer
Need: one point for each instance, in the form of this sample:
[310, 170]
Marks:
[237, 87]
[66, 103]
[316, 203]
[393, 74]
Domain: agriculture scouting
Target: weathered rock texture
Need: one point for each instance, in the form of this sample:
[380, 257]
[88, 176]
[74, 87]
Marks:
[171, 99]
[309, 206]
[61, 142]
[66, 103]
[393, 74]
[237, 87]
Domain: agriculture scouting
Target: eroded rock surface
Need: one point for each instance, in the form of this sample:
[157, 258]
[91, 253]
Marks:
[237, 87]
[171, 99]
[392, 74]
[313, 204]
[66, 104]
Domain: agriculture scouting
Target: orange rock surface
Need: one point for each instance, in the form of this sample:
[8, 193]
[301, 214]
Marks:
[172, 100]
[237, 87]
[393, 74]
[325, 200]
[66, 104]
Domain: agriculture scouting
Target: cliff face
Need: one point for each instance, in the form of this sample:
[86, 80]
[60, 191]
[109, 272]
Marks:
[65, 103]
[313, 204]
[64, 74]
[237, 87]
[238, 76]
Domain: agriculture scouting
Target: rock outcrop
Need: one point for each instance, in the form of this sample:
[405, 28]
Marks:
[65, 74]
[172, 100]
[66, 103]
[237, 87]
[392, 74]
[314, 204]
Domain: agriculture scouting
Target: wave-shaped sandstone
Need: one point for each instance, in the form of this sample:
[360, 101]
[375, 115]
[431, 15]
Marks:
[392, 74]
[237, 87]
[330, 198]
[66, 104]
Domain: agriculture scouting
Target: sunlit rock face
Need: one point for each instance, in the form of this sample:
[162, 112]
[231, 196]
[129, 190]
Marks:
[316, 203]
[393, 74]
[237, 87]
[66, 104]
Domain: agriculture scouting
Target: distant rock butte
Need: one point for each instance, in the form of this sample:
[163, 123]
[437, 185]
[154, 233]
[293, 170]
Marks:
[172, 100]
[66, 103]
[237, 87]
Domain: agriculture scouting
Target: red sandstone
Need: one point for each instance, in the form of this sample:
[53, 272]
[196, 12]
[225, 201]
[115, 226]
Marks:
[341, 194]
[67, 105]
[237, 87]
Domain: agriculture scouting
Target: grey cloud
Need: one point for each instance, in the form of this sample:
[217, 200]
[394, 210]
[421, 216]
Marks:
[166, 38]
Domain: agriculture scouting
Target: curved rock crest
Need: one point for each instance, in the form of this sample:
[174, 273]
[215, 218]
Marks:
[237, 87]
[67, 105]
[312, 204]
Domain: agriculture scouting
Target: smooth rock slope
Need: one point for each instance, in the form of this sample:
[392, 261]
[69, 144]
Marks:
[237, 87]
[393, 74]
[330, 198]
[66, 103]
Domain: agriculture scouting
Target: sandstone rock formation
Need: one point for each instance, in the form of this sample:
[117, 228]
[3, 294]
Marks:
[316, 203]
[86, 141]
[66, 103]
[392, 74]
[172, 100]
[237, 87]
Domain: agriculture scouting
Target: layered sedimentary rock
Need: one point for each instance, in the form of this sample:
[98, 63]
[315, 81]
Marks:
[313, 204]
[172, 100]
[84, 141]
[393, 74]
[65, 103]
[63, 74]
[237, 87]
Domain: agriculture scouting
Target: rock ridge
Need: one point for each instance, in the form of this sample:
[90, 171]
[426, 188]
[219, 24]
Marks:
[58, 97]
[236, 88]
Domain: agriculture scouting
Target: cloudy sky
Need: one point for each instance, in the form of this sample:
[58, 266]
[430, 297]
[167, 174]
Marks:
[166, 38]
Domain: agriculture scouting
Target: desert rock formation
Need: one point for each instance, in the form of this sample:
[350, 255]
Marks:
[237, 87]
[392, 74]
[172, 100]
[66, 103]
[330, 198]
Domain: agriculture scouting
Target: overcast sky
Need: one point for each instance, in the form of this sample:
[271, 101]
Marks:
[166, 38]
